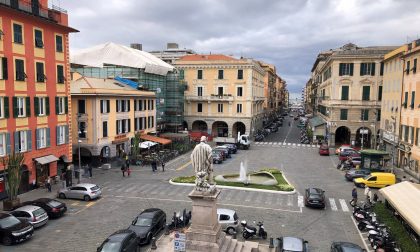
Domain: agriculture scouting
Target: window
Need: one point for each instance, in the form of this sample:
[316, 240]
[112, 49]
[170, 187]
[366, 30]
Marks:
[380, 93]
[417, 137]
[38, 39]
[23, 141]
[139, 123]
[239, 91]
[367, 69]
[327, 74]
[105, 129]
[138, 105]
[3, 68]
[224, 217]
[123, 126]
[220, 108]
[62, 134]
[21, 107]
[415, 66]
[405, 99]
[17, 33]
[82, 106]
[200, 91]
[58, 43]
[219, 91]
[343, 114]
[346, 69]
[238, 108]
[4, 144]
[42, 106]
[407, 70]
[42, 138]
[378, 115]
[411, 135]
[82, 129]
[381, 72]
[40, 76]
[60, 74]
[181, 74]
[199, 107]
[105, 106]
[61, 105]
[150, 122]
[366, 93]
[345, 93]
[220, 75]
[364, 115]
[199, 74]
[240, 74]
[4, 107]
[413, 97]
[20, 70]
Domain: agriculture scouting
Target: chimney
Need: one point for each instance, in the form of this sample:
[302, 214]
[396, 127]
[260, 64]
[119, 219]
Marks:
[171, 46]
[136, 46]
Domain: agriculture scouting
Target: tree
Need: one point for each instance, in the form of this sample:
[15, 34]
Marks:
[12, 164]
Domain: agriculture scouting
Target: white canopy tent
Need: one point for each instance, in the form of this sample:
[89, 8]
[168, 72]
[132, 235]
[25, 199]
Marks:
[146, 144]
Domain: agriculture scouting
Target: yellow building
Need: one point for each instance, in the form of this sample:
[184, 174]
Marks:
[391, 101]
[108, 114]
[269, 88]
[280, 93]
[409, 146]
[224, 95]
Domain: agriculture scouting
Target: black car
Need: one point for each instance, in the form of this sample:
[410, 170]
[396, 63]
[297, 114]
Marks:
[346, 247]
[232, 147]
[315, 197]
[356, 173]
[217, 157]
[225, 151]
[273, 128]
[148, 224]
[13, 230]
[53, 207]
[122, 240]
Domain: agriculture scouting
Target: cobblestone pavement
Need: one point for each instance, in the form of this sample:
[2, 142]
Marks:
[87, 224]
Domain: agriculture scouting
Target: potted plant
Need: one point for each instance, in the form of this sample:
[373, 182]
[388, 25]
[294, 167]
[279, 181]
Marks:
[12, 164]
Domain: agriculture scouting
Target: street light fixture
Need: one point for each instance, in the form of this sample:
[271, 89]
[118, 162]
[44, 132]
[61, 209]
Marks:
[78, 145]
[394, 144]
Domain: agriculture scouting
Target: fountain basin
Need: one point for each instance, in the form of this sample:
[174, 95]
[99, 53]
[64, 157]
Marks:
[257, 178]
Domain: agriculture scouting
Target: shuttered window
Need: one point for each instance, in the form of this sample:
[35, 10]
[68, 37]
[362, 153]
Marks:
[3, 69]
[345, 93]
[346, 69]
[364, 115]
[199, 74]
[60, 74]
[413, 98]
[405, 99]
[366, 93]
[380, 93]
[343, 114]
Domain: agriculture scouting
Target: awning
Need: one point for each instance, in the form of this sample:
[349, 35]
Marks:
[405, 198]
[316, 121]
[156, 139]
[46, 159]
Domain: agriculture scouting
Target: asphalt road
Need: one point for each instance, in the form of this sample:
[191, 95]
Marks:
[87, 224]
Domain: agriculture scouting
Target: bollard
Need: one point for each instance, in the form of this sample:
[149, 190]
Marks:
[153, 247]
[271, 242]
[166, 229]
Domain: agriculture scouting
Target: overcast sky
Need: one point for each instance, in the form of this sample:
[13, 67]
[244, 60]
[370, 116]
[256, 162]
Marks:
[286, 33]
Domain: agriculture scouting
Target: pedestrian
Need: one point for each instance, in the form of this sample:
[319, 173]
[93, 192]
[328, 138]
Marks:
[48, 184]
[163, 166]
[127, 162]
[154, 165]
[123, 168]
[367, 193]
[353, 202]
[128, 171]
[90, 171]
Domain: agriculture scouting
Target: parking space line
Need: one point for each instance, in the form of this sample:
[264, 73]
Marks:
[183, 166]
[300, 201]
[360, 234]
[333, 205]
[344, 205]
[74, 204]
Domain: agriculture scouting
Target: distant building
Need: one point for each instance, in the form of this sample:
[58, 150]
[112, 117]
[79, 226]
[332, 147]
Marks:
[172, 53]
[224, 95]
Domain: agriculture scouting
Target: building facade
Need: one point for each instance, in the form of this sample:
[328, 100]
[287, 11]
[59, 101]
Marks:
[280, 93]
[34, 75]
[269, 90]
[107, 115]
[409, 145]
[349, 92]
[172, 53]
[224, 95]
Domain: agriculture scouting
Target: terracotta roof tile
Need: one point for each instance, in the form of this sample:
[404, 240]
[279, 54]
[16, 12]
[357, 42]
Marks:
[203, 57]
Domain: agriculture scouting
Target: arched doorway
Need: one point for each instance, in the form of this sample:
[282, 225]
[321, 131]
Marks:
[238, 127]
[24, 179]
[105, 154]
[199, 126]
[363, 137]
[220, 129]
[342, 136]
[85, 156]
[184, 125]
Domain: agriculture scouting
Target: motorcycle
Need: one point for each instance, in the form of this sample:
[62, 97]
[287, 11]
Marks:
[250, 231]
[180, 221]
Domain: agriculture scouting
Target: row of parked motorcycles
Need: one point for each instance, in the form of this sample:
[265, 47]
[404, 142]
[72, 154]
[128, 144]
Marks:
[304, 138]
[379, 236]
[251, 231]
[260, 135]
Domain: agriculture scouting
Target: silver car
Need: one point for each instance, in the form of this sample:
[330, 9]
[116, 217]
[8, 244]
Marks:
[292, 244]
[33, 214]
[83, 191]
[228, 220]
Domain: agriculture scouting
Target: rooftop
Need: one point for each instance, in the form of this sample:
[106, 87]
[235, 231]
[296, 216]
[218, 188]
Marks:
[207, 57]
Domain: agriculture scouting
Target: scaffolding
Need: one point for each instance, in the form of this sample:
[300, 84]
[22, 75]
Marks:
[169, 90]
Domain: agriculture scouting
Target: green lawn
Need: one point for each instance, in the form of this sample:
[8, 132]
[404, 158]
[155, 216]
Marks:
[281, 186]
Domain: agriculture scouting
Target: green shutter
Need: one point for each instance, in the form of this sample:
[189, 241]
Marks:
[8, 144]
[48, 137]
[66, 105]
[405, 99]
[36, 106]
[16, 137]
[351, 69]
[56, 135]
[345, 93]
[28, 106]
[4, 68]
[66, 129]
[56, 105]
[101, 102]
[29, 138]
[373, 69]
[6, 106]
[362, 69]
[15, 107]
[366, 93]
[343, 114]
[37, 140]
[47, 105]
[413, 97]
[380, 93]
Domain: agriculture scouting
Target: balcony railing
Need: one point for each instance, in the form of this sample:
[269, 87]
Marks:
[35, 9]
[212, 97]
[351, 103]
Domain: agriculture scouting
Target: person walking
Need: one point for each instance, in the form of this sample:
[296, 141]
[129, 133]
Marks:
[367, 193]
[90, 171]
[154, 165]
[123, 168]
[163, 165]
[48, 184]
[353, 202]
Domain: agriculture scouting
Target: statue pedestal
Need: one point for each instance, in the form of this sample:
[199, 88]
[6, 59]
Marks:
[205, 232]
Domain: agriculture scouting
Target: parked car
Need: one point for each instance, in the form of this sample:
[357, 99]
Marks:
[225, 150]
[54, 208]
[33, 214]
[281, 123]
[121, 241]
[324, 149]
[273, 128]
[228, 219]
[348, 153]
[232, 147]
[148, 224]
[315, 197]
[294, 244]
[82, 191]
[341, 148]
[356, 173]
[346, 247]
[356, 160]
[14, 230]
[376, 179]
[217, 156]
[221, 152]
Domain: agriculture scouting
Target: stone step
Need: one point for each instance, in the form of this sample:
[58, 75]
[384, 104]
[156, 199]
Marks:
[239, 246]
[226, 243]
[233, 245]
[250, 246]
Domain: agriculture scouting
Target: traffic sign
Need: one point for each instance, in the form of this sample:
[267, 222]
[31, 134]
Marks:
[179, 242]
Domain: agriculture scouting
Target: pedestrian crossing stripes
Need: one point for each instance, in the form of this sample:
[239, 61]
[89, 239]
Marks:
[288, 145]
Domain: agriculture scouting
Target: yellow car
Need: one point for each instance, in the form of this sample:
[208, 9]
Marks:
[376, 179]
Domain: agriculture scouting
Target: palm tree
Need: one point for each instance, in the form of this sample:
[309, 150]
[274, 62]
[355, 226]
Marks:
[12, 164]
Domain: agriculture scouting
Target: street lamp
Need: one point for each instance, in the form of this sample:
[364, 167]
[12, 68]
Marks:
[78, 145]
[394, 144]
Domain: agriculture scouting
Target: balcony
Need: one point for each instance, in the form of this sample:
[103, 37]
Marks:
[351, 103]
[213, 97]
[27, 6]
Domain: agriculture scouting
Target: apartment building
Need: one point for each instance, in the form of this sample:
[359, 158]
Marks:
[280, 88]
[349, 93]
[34, 73]
[224, 95]
[269, 89]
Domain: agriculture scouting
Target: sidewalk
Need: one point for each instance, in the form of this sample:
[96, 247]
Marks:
[400, 174]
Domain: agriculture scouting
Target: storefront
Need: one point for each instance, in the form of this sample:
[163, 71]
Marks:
[42, 165]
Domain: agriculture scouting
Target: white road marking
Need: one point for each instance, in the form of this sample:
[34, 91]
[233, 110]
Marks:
[275, 143]
[361, 236]
[294, 144]
[290, 200]
[300, 201]
[344, 205]
[313, 145]
[270, 142]
[333, 205]
[298, 145]
[289, 144]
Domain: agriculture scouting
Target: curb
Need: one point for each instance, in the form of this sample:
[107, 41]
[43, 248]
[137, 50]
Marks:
[237, 188]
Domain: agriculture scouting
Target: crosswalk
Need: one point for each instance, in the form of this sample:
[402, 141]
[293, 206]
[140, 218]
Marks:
[286, 145]
[281, 202]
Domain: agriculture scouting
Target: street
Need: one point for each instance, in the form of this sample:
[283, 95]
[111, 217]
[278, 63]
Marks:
[87, 224]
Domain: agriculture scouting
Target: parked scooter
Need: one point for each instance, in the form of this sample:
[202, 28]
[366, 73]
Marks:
[250, 231]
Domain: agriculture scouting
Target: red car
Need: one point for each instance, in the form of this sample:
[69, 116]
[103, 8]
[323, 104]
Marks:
[324, 150]
[348, 153]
